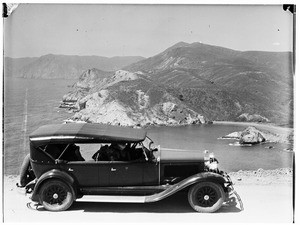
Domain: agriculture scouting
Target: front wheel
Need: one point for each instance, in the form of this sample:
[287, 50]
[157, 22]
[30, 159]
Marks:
[206, 197]
[56, 195]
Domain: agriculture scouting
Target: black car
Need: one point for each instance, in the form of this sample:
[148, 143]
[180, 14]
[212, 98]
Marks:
[104, 163]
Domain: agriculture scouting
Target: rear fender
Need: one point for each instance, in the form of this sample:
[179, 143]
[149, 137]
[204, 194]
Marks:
[200, 177]
[53, 174]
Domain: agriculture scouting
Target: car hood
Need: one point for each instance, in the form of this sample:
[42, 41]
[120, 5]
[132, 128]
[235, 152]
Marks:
[167, 154]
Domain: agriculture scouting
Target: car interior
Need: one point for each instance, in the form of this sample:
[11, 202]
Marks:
[97, 152]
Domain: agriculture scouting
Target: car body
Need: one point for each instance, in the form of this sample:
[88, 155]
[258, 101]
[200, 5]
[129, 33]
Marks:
[151, 174]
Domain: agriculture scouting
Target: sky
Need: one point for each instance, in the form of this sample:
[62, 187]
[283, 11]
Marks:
[108, 30]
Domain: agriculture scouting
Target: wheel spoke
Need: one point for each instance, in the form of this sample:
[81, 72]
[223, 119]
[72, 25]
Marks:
[57, 191]
[56, 195]
[206, 196]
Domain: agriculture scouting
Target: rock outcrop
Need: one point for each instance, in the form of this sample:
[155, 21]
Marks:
[101, 107]
[252, 135]
[127, 99]
[88, 80]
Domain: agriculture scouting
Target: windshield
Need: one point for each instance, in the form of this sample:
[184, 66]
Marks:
[148, 143]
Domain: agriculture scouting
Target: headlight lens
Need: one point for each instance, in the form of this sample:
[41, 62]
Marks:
[210, 162]
[213, 165]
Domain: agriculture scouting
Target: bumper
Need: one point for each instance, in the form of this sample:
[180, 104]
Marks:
[232, 197]
[28, 189]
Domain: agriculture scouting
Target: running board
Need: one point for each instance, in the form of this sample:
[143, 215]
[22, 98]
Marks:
[112, 198]
[170, 190]
[142, 199]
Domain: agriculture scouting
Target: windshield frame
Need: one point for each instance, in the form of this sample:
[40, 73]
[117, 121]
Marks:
[146, 143]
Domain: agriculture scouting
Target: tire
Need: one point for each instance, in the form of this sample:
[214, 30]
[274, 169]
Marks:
[56, 195]
[206, 197]
[26, 173]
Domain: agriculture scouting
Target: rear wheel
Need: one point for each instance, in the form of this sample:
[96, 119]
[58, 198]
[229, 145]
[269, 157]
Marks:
[206, 197]
[56, 195]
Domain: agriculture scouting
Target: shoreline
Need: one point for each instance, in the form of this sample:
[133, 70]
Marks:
[238, 123]
[258, 125]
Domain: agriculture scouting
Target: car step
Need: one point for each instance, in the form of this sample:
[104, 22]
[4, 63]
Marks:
[112, 198]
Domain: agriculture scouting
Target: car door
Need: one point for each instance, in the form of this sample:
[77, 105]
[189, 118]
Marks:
[125, 173]
[86, 173]
[151, 173]
[134, 173]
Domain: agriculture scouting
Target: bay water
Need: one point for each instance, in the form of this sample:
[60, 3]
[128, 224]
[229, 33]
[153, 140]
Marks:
[30, 103]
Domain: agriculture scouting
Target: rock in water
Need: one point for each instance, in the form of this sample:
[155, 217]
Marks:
[233, 135]
[251, 136]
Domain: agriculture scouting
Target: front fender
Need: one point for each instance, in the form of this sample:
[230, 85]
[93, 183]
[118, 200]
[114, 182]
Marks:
[172, 189]
[53, 174]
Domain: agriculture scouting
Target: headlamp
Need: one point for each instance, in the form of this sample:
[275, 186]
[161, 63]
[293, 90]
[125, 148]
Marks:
[210, 162]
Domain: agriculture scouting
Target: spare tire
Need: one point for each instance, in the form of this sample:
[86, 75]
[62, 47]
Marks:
[26, 173]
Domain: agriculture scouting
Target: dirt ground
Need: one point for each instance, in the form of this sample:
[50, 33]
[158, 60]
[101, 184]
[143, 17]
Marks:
[267, 197]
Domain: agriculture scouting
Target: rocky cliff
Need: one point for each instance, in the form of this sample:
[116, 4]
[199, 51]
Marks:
[127, 99]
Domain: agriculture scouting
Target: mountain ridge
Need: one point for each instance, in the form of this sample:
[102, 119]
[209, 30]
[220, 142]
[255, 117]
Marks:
[214, 82]
[261, 81]
[53, 66]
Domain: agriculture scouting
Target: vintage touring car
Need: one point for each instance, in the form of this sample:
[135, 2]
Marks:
[124, 165]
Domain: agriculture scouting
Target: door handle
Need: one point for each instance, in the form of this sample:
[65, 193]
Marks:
[70, 169]
[113, 169]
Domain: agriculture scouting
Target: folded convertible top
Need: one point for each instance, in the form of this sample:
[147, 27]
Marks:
[85, 133]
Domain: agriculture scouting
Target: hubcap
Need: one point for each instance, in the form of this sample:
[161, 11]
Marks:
[206, 197]
[55, 196]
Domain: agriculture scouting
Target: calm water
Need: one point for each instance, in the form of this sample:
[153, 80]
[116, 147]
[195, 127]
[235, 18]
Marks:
[29, 104]
[231, 158]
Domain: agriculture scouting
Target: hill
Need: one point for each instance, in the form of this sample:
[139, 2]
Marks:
[197, 80]
[63, 66]
[223, 84]
[127, 99]
[12, 66]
